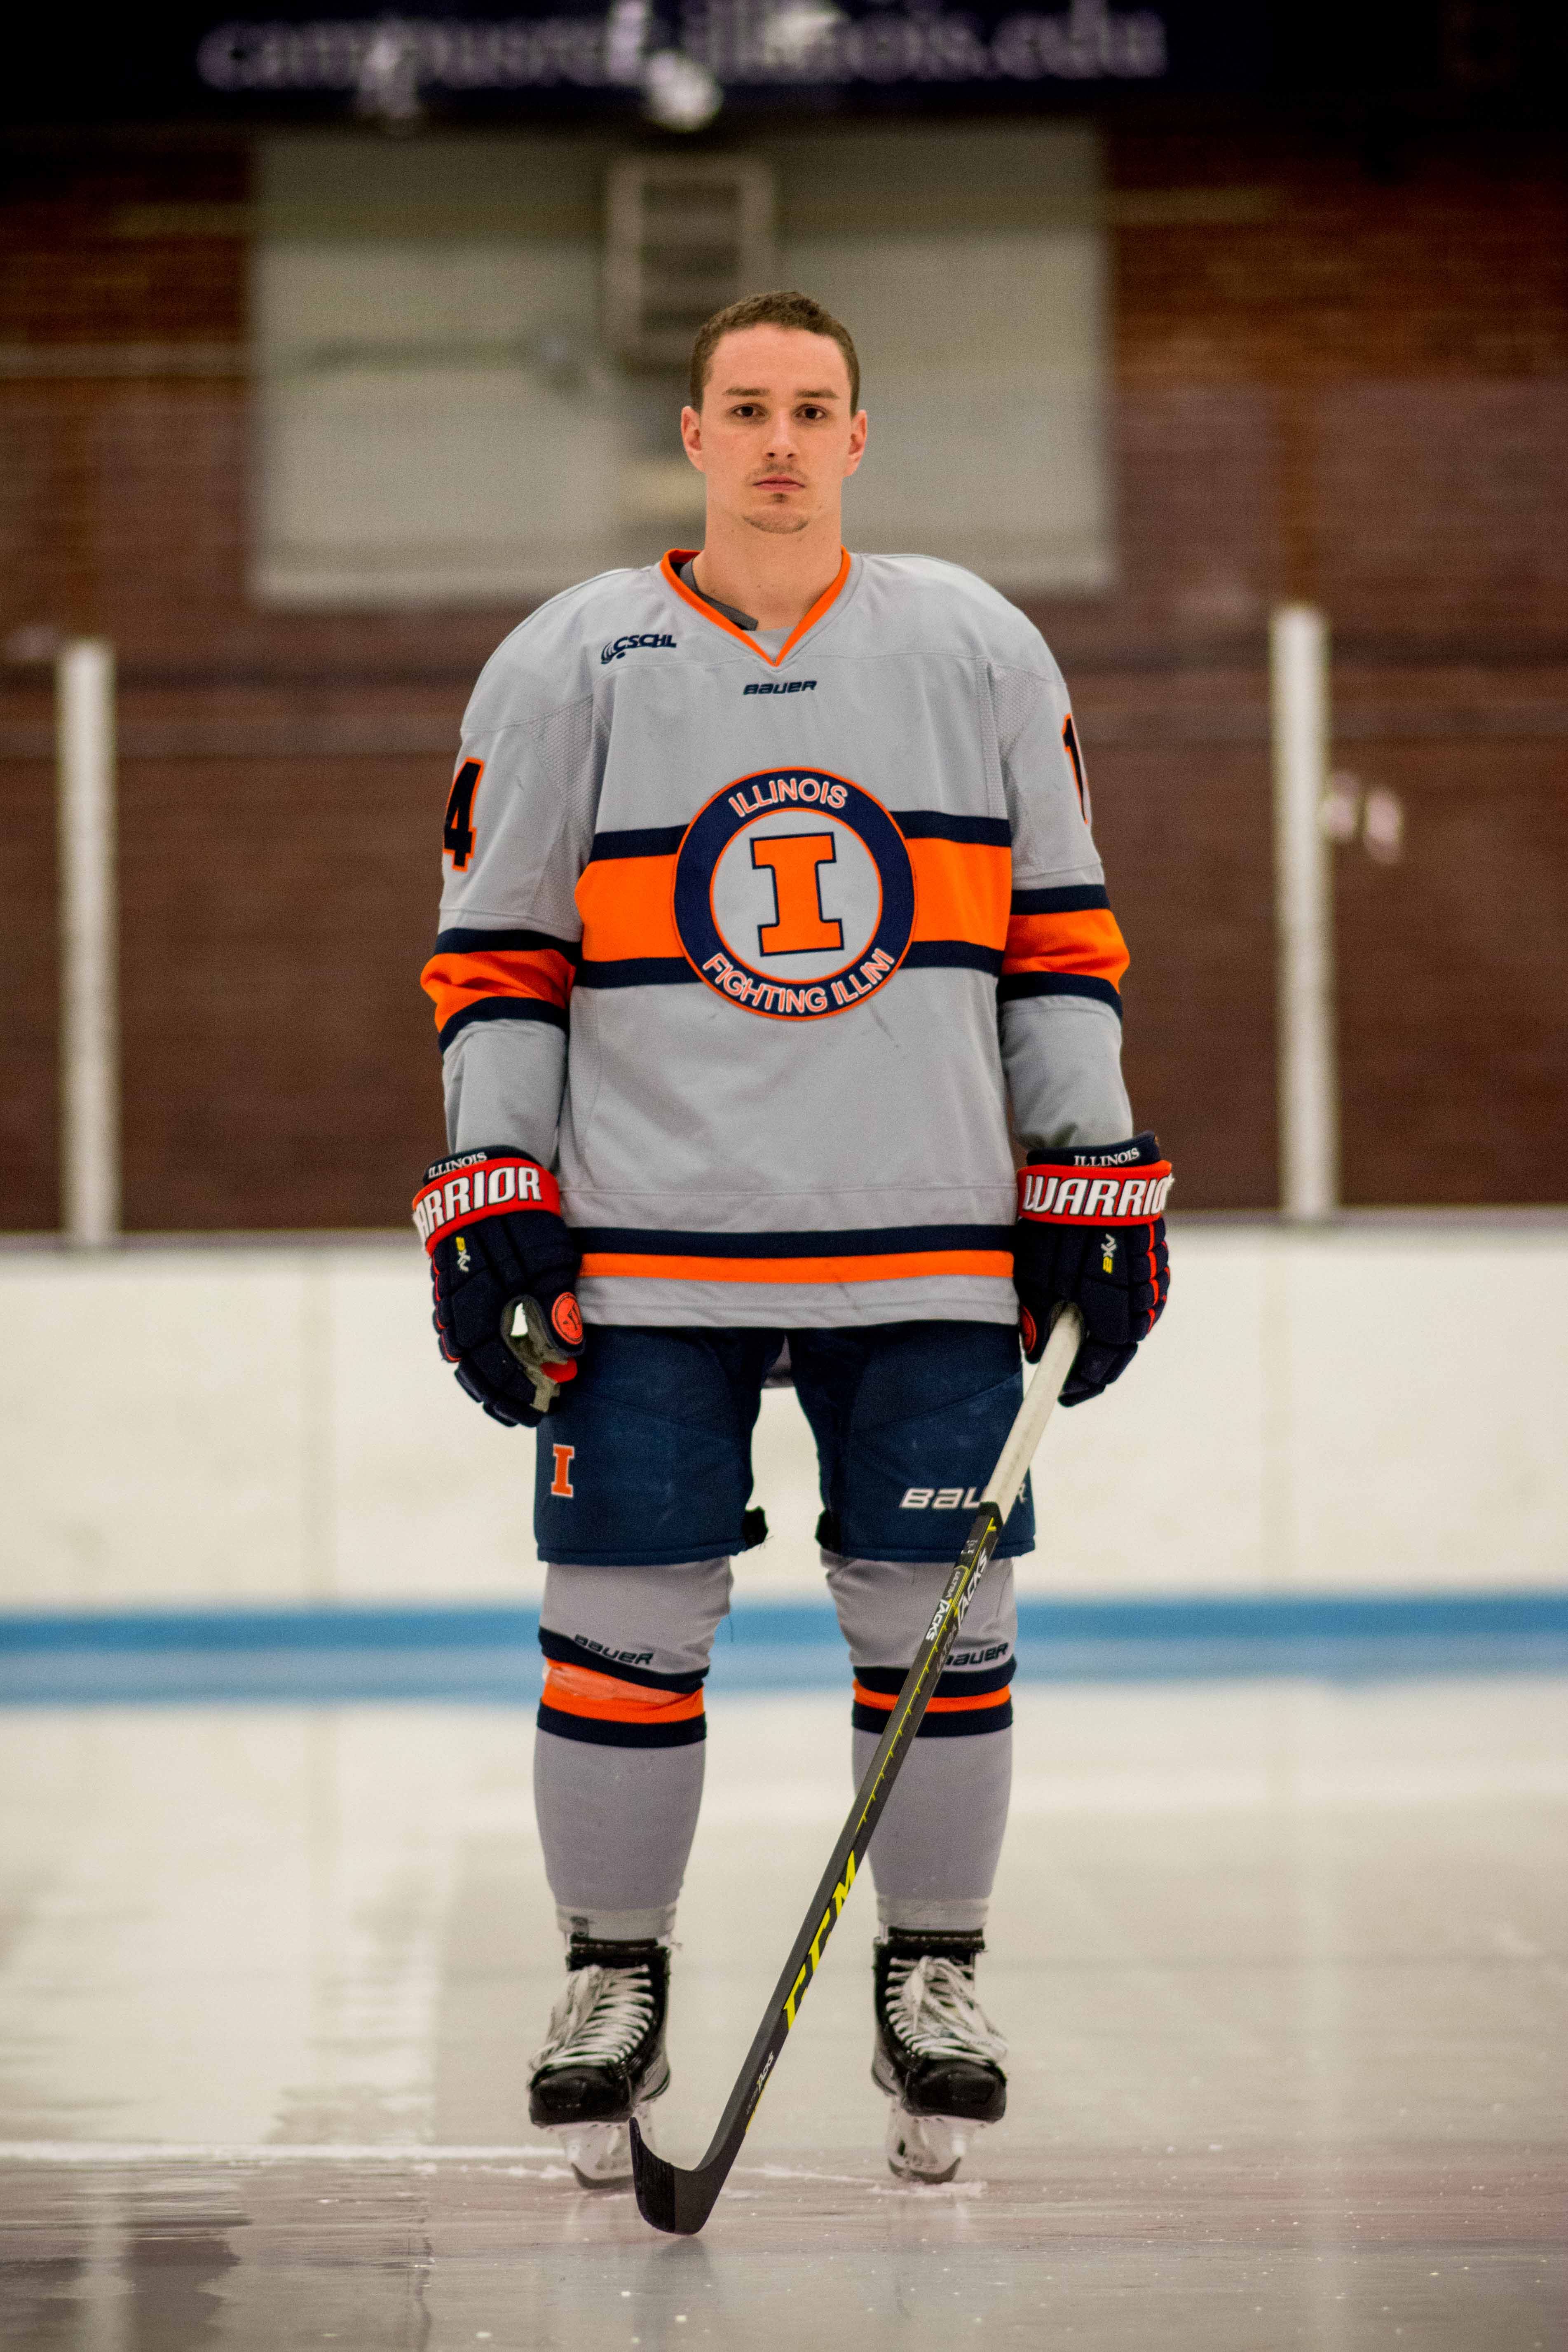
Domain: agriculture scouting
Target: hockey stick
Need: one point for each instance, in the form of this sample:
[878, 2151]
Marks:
[680, 2201]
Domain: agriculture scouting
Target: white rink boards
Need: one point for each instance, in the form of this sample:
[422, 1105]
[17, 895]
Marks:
[1318, 1412]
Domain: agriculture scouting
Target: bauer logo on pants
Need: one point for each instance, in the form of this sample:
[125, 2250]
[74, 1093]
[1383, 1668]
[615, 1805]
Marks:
[793, 893]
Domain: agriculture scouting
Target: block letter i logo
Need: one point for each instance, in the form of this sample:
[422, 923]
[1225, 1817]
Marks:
[562, 1482]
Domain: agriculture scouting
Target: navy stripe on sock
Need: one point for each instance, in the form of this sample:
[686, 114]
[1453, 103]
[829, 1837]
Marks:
[953, 1684]
[594, 1732]
[568, 1653]
[939, 1727]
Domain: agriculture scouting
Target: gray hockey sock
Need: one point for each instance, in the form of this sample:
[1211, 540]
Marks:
[617, 1759]
[934, 1855]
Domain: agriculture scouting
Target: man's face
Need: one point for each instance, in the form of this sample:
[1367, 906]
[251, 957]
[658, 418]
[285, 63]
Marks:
[774, 436]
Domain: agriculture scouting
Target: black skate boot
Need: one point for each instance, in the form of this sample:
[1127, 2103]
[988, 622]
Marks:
[603, 2058]
[938, 2056]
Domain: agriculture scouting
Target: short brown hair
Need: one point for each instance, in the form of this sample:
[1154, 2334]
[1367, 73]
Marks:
[786, 308]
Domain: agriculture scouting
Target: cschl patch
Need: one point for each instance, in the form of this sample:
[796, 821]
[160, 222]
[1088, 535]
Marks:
[795, 896]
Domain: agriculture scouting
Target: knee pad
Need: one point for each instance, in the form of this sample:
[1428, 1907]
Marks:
[884, 1607]
[627, 1651]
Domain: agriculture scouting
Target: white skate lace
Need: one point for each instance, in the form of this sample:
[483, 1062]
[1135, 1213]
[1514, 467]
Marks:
[601, 2017]
[933, 2007]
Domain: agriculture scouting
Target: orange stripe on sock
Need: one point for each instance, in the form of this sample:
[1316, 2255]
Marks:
[578, 1690]
[887, 1701]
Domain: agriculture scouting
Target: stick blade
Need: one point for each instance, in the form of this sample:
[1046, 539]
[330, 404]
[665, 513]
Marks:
[667, 2197]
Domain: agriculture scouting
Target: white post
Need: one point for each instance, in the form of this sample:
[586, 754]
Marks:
[89, 1038]
[1303, 907]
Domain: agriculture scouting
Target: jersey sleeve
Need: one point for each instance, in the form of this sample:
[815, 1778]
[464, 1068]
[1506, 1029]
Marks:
[520, 821]
[1059, 996]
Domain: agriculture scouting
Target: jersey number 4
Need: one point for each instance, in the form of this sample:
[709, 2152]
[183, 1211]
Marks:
[457, 831]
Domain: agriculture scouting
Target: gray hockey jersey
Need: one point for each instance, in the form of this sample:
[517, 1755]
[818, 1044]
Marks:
[756, 950]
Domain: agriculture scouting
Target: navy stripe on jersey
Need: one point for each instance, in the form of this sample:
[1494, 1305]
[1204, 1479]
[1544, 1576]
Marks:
[951, 955]
[935, 824]
[1077, 899]
[669, 972]
[1058, 983]
[635, 971]
[915, 824]
[876, 1241]
[568, 1653]
[502, 1008]
[463, 942]
[638, 841]
[599, 1731]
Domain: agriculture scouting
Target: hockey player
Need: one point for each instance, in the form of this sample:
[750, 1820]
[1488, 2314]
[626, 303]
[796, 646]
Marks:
[770, 894]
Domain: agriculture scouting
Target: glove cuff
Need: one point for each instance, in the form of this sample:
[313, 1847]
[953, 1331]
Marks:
[1096, 1186]
[490, 1182]
[1139, 1152]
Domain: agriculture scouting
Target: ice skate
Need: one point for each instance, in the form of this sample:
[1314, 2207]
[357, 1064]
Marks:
[938, 2056]
[603, 2058]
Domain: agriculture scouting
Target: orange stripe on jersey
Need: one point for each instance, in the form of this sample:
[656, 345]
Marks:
[962, 892]
[604, 1698]
[628, 906]
[746, 638]
[886, 1700]
[455, 982]
[1087, 940]
[996, 1264]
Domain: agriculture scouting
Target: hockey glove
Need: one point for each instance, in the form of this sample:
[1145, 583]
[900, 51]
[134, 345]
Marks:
[504, 1271]
[1091, 1232]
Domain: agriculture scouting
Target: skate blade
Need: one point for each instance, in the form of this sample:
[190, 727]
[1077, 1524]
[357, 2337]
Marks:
[601, 2153]
[927, 2149]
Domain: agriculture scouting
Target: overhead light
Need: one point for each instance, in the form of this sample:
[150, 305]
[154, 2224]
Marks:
[793, 31]
[389, 76]
[679, 91]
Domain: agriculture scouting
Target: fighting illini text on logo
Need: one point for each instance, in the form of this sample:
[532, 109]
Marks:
[793, 893]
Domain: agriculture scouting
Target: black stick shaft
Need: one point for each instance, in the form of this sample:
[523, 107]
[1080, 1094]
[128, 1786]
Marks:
[676, 2200]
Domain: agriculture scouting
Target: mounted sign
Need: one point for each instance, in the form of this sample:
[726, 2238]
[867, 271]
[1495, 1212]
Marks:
[395, 65]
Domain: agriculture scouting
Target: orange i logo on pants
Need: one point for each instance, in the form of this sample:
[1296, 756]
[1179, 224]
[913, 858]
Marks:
[793, 893]
[562, 1482]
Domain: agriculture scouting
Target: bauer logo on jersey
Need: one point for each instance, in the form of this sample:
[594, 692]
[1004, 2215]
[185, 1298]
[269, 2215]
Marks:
[793, 893]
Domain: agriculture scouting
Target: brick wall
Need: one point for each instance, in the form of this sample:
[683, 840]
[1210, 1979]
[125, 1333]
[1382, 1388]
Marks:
[1325, 387]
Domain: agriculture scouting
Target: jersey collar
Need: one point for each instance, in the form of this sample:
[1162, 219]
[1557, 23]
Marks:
[677, 556]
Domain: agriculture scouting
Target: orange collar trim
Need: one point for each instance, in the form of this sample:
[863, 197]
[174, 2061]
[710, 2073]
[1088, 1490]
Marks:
[678, 555]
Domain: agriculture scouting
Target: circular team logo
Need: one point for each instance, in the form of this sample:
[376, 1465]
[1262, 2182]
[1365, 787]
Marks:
[793, 893]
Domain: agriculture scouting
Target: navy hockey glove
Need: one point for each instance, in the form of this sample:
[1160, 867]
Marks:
[1091, 1232]
[504, 1269]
